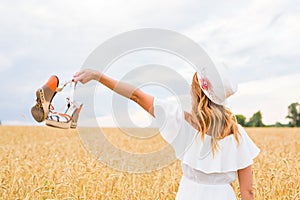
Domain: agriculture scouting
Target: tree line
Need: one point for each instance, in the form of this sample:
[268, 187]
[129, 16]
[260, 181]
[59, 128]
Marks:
[256, 119]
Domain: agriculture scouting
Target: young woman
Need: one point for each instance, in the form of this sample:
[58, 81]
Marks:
[220, 148]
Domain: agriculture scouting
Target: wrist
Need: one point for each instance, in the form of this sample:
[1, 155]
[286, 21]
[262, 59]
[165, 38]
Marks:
[97, 76]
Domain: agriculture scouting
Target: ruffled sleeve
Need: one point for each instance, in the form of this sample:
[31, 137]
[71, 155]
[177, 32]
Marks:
[229, 157]
[173, 127]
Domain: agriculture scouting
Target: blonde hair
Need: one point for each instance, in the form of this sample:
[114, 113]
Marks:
[210, 118]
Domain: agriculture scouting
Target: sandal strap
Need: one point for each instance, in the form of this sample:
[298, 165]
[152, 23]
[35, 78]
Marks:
[58, 117]
[68, 117]
[51, 107]
[59, 89]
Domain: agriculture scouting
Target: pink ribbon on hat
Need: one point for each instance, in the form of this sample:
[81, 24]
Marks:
[205, 84]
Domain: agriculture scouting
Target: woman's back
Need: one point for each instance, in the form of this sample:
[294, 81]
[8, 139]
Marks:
[206, 174]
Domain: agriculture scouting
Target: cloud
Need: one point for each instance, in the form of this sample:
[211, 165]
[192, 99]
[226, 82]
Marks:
[271, 96]
[139, 118]
[258, 40]
[5, 63]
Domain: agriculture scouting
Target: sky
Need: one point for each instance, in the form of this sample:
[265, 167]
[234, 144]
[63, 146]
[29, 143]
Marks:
[258, 40]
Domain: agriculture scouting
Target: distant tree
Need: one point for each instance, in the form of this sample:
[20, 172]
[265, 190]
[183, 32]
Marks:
[241, 119]
[0, 123]
[255, 120]
[278, 124]
[294, 114]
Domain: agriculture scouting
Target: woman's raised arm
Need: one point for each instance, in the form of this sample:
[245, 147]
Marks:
[129, 91]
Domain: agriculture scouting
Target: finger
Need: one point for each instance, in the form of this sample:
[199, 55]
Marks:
[77, 78]
[81, 78]
[79, 73]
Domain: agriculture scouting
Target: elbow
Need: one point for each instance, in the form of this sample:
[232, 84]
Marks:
[247, 194]
[250, 193]
[134, 98]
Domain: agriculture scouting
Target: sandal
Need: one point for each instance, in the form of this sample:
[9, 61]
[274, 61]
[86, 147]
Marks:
[69, 118]
[44, 96]
[65, 120]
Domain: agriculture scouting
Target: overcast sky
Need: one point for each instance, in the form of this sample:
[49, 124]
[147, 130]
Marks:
[258, 40]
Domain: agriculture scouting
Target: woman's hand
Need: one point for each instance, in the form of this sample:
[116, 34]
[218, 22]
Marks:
[86, 75]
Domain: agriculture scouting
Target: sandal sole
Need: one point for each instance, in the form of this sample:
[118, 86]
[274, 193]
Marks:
[41, 110]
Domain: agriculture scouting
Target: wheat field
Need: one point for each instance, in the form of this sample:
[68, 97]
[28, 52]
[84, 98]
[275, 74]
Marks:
[49, 163]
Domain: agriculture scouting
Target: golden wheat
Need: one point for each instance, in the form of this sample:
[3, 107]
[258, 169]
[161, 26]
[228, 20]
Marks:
[49, 163]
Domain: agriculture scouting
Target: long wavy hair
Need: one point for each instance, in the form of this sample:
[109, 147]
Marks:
[210, 118]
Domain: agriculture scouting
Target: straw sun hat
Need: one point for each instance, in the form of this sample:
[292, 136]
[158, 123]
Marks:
[217, 83]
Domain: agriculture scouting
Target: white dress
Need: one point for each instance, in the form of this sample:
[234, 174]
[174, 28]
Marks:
[205, 176]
